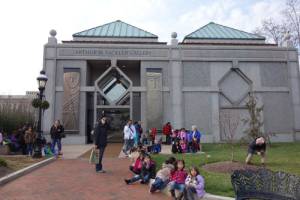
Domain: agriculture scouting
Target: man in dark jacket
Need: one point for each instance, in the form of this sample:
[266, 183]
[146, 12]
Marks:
[56, 132]
[258, 146]
[101, 141]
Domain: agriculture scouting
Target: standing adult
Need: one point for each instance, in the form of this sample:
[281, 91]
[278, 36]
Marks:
[167, 131]
[101, 141]
[56, 132]
[196, 136]
[139, 131]
[1, 136]
[129, 132]
[258, 146]
[29, 138]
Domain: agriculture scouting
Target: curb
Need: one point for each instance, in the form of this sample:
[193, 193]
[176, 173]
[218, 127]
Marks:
[26, 170]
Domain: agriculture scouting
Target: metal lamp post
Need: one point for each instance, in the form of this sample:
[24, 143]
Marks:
[42, 80]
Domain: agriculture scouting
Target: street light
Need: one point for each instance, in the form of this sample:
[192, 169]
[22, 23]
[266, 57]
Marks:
[42, 80]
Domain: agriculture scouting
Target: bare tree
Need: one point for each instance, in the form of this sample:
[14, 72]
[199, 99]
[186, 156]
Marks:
[273, 31]
[229, 122]
[292, 18]
[276, 31]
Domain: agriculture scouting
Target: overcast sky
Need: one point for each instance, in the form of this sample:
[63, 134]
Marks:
[25, 25]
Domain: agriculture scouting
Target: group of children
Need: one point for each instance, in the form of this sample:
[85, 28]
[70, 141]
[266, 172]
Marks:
[185, 141]
[172, 175]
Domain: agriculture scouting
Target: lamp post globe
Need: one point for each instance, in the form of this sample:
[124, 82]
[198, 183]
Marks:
[42, 80]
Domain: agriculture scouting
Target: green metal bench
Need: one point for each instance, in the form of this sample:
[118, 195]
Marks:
[265, 184]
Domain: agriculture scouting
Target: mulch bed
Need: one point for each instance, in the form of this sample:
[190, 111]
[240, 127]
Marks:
[4, 171]
[17, 162]
[228, 167]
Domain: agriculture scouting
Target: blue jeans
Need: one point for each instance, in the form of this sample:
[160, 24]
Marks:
[54, 142]
[144, 178]
[128, 144]
[159, 184]
[29, 148]
[177, 186]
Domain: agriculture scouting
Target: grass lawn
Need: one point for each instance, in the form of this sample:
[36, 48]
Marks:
[280, 157]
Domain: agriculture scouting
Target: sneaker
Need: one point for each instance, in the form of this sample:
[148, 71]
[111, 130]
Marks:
[152, 189]
[101, 171]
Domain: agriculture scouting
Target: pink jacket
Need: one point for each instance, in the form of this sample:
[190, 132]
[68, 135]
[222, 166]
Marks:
[179, 176]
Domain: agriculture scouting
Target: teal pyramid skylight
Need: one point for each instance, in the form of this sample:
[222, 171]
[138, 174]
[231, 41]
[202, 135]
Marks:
[217, 31]
[116, 29]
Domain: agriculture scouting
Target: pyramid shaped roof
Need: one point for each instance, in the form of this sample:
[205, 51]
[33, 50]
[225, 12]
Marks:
[217, 31]
[115, 29]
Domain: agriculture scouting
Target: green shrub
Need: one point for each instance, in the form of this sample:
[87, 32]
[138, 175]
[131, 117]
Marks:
[11, 120]
[3, 163]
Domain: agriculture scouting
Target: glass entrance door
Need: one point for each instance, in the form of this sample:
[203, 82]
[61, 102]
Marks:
[117, 119]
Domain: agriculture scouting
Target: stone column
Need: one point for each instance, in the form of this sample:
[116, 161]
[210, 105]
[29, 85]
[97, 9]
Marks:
[83, 96]
[295, 94]
[50, 69]
[177, 82]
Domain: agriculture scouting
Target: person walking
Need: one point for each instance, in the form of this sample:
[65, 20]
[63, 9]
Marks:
[129, 133]
[101, 141]
[56, 132]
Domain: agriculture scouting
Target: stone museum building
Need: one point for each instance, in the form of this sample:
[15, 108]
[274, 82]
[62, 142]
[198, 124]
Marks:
[124, 72]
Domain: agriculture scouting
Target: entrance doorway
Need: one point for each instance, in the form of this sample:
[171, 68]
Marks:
[113, 99]
[117, 119]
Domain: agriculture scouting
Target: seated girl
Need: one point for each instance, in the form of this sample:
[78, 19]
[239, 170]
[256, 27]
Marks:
[183, 146]
[137, 164]
[163, 175]
[194, 185]
[47, 150]
[176, 148]
[147, 172]
[178, 180]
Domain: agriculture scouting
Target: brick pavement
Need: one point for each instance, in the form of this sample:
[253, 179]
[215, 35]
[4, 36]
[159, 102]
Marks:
[76, 180]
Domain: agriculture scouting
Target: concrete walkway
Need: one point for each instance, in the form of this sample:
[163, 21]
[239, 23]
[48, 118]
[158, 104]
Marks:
[73, 178]
[75, 151]
[76, 179]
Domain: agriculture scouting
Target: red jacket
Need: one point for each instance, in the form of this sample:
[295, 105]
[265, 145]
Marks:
[179, 176]
[138, 164]
[153, 133]
[167, 129]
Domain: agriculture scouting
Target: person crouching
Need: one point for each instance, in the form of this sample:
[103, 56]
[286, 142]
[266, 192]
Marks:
[163, 175]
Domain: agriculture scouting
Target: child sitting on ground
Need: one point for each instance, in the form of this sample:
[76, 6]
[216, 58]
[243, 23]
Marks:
[183, 146]
[47, 150]
[163, 175]
[176, 148]
[156, 147]
[194, 184]
[147, 172]
[178, 179]
[137, 164]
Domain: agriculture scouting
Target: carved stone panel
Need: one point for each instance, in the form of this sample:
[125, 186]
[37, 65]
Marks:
[154, 98]
[71, 100]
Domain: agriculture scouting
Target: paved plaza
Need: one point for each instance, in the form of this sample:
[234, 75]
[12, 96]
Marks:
[75, 179]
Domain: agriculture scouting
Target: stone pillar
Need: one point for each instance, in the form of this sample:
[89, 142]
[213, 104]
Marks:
[295, 94]
[83, 96]
[215, 116]
[50, 69]
[177, 82]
